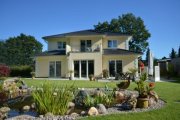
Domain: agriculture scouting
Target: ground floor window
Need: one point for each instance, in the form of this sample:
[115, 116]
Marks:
[115, 66]
[83, 68]
[54, 68]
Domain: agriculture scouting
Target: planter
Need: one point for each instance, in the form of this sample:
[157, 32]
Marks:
[142, 102]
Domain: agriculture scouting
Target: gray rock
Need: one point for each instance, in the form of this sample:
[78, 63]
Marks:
[83, 113]
[101, 109]
[79, 99]
[74, 115]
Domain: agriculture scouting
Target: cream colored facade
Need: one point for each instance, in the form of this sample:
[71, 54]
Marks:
[73, 53]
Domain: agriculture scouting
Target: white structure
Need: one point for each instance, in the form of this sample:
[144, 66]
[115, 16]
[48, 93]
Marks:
[150, 63]
[157, 73]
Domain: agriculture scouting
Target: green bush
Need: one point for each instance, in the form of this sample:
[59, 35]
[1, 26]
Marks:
[23, 71]
[51, 98]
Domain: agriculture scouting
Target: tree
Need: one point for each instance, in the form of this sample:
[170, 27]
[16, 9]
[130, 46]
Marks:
[20, 50]
[179, 52]
[128, 24]
[173, 53]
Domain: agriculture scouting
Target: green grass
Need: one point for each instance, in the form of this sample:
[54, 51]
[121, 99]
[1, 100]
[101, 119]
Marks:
[169, 91]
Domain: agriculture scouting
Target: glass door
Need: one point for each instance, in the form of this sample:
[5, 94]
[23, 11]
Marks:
[76, 69]
[83, 68]
[52, 69]
[58, 69]
[55, 69]
[112, 68]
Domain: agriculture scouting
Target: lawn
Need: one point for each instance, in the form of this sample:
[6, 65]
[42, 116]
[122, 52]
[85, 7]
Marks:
[168, 91]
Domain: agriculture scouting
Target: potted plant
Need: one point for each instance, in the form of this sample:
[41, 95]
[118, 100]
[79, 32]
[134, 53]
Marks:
[33, 75]
[142, 101]
[71, 74]
[105, 73]
[91, 77]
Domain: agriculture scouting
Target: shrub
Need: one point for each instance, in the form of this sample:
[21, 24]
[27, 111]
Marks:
[52, 99]
[23, 71]
[4, 71]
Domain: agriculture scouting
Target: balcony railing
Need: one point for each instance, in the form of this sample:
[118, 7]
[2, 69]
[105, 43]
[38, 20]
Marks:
[94, 48]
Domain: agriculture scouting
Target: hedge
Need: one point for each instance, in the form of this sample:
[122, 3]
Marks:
[22, 71]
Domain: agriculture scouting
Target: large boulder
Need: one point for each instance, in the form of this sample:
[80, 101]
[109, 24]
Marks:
[79, 99]
[92, 111]
[101, 109]
[4, 112]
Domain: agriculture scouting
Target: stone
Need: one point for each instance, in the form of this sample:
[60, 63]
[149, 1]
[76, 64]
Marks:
[152, 101]
[79, 99]
[101, 109]
[4, 110]
[119, 96]
[71, 106]
[74, 115]
[49, 115]
[26, 108]
[41, 116]
[99, 93]
[83, 113]
[22, 117]
[92, 111]
[33, 106]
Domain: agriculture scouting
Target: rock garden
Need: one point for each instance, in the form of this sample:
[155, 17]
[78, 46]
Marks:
[51, 102]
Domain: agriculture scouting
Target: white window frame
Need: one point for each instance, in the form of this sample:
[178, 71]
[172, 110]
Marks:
[60, 45]
[113, 45]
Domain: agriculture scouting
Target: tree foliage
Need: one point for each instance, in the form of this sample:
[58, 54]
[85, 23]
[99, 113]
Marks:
[19, 50]
[128, 24]
[173, 53]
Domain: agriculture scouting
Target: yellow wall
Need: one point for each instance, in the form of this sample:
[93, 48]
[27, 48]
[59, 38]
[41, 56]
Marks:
[42, 65]
[73, 43]
[127, 61]
[120, 40]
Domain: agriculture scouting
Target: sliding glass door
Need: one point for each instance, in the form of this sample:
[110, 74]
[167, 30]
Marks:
[83, 68]
[55, 69]
[115, 66]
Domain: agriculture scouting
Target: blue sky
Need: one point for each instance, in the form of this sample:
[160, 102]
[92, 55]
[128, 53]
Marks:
[46, 17]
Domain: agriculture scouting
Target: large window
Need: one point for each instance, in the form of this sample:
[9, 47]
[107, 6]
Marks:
[115, 66]
[85, 45]
[112, 43]
[62, 45]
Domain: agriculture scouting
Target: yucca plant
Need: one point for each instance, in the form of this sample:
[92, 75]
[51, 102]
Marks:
[50, 98]
[89, 101]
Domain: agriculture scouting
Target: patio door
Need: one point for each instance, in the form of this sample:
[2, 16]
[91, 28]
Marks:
[115, 66]
[55, 69]
[83, 68]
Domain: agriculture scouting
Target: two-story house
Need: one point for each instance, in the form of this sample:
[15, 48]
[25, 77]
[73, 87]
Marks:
[85, 52]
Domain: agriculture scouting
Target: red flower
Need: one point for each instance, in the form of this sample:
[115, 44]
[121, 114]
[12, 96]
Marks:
[151, 84]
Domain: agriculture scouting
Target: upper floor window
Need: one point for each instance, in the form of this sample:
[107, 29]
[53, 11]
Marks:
[86, 45]
[61, 45]
[112, 43]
